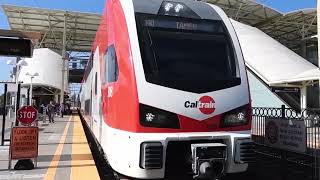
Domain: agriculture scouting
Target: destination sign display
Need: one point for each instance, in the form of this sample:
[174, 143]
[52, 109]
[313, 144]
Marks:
[183, 24]
[15, 47]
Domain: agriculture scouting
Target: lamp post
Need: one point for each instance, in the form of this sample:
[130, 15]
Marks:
[31, 77]
[18, 63]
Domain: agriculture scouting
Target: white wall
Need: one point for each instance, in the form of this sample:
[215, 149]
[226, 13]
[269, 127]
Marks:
[49, 66]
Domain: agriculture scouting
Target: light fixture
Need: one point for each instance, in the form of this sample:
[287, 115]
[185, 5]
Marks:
[178, 8]
[170, 8]
[32, 74]
[11, 62]
[22, 63]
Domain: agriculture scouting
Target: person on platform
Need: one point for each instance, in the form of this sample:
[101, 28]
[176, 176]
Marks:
[61, 109]
[51, 111]
[42, 113]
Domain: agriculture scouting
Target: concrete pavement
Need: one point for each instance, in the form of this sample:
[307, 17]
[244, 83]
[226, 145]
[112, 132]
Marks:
[63, 153]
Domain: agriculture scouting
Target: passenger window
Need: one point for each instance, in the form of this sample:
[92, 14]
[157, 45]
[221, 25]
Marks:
[112, 71]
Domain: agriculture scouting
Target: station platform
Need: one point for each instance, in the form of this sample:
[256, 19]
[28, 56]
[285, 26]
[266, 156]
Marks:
[64, 154]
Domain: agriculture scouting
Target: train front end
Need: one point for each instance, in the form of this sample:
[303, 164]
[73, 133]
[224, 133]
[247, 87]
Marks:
[192, 90]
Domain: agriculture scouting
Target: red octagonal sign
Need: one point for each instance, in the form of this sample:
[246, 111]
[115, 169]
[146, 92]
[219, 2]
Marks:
[27, 114]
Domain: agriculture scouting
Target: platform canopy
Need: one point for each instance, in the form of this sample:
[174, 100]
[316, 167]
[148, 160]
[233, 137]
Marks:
[289, 28]
[80, 28]
[271, 61]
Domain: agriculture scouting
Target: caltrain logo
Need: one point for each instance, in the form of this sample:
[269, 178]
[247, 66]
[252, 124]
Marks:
[206, 105]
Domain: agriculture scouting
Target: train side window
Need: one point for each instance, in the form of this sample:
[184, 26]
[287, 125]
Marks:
[112, 71]
[95, 84]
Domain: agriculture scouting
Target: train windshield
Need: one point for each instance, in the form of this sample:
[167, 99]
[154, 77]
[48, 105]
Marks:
[187, 54]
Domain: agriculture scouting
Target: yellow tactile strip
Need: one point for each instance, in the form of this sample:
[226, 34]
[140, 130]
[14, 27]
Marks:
[51, 172]
[83, 166]
[82, 163]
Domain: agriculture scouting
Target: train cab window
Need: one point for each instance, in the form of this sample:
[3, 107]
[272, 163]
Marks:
[111, 63]
[193, 55]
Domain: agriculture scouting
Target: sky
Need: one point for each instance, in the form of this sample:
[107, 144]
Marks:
[285, 6]
[96, 6]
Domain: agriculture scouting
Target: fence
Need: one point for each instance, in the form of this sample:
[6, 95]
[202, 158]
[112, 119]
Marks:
[306, 162]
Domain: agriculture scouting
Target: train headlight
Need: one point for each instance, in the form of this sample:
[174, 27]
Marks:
[170, 8]
[154, 117]
[238, 117]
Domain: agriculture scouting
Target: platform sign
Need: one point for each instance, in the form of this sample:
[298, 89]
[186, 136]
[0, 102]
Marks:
[15, 47]
[285, 89]
[286, 134]
[27, 114]
[24, 142]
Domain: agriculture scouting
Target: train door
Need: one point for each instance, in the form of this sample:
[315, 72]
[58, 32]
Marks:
[96, 94]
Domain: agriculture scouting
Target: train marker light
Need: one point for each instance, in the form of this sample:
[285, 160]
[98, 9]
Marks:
[170, 8]
[178, 8]
[237, 117]
[150, 117]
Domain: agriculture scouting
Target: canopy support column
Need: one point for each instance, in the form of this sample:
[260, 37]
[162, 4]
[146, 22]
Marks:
[318, 26]
[303, 97]
[63, 55]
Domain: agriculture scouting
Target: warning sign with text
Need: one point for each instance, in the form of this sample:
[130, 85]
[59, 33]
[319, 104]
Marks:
[286, 134]
[24, 142]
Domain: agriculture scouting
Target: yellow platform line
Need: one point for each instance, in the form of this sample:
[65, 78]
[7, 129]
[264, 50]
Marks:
[51, 172]
[83, 166]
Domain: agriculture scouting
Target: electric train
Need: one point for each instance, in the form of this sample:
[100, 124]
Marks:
[165, 92]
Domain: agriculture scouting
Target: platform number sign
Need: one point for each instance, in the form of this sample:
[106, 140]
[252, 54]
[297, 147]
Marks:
[27, 114]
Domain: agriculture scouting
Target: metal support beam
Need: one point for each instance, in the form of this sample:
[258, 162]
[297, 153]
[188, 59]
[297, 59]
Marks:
[63, 54]
[4, 113]
[17, 104]
[303, 43]
[303, 97]
[318, 24]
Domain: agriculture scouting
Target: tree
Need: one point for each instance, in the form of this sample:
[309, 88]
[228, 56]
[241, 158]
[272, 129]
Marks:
[1, 103]
[1, 100]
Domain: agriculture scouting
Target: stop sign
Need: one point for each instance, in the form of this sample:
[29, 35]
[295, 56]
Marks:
[27, 114]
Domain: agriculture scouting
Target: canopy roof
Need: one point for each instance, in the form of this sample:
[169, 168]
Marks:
[80, 27]
[289, 29]
[274, 63]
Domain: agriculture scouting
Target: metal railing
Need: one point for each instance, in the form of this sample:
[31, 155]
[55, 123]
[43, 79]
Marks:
[307, 159]
[311, 118]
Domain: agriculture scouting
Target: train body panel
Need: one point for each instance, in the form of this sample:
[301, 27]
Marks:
[157, 80]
